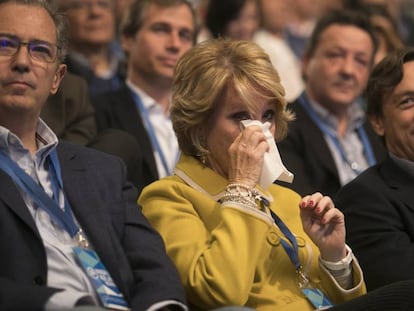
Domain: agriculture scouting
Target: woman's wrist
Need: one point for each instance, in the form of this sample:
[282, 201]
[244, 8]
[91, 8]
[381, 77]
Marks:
[340, 264]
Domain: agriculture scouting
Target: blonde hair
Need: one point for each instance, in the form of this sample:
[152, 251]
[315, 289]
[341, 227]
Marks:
[205, 72]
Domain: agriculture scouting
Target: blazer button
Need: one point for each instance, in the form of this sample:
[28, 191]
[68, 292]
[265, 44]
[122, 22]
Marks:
[301, 241]
[273, 238]
[38, 280]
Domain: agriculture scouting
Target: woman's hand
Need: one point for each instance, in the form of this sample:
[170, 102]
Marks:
[246, 156]
[325, 225]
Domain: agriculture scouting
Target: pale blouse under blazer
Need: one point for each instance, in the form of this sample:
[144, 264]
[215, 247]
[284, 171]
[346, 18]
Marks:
[230, 255]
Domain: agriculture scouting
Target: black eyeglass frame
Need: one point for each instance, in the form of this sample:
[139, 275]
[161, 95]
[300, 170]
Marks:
[39, 50]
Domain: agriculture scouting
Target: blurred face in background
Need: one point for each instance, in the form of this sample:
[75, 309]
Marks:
[305, 9]
[275, 14]
[246, 23]
[337, 71]
[92, 22]
[166, 34]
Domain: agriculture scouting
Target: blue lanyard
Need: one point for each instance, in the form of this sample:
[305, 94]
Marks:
[64, 216]
[361, 132]
[151, 131]
[291, 250]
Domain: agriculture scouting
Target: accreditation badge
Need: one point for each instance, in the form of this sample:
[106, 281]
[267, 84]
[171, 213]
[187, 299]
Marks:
[314, 295]
[102, 281]
[317, 298]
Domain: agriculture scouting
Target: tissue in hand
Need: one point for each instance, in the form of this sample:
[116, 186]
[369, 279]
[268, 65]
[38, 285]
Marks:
[273, 168]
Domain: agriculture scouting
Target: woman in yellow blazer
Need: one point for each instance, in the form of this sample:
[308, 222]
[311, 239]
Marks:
[233, 242]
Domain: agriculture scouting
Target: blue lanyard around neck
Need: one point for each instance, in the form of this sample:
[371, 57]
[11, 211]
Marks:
[64, 216]
[291, 250]
[150, 130]
[324, 128]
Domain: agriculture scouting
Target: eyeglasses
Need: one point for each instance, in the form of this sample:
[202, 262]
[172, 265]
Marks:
[84, 4]
[40, 51]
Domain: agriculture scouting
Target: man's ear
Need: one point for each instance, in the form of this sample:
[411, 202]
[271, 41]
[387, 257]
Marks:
[126, 43]
[59, 74]
[377, 124]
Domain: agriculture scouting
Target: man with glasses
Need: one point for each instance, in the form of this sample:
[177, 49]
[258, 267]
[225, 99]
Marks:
[70, 230]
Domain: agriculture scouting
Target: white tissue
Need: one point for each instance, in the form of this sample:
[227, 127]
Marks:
[273, 168]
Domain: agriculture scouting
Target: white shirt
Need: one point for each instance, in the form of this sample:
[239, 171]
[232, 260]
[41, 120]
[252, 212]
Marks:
[162, 126]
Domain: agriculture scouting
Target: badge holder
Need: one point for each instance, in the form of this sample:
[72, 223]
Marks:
[105, 287]
[314, 295]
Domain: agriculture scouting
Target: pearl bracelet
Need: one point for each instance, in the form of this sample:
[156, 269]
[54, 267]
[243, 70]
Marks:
[244, 196]
[242, 190]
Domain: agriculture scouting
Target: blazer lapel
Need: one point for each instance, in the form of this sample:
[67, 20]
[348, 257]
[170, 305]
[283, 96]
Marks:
[12, 199]
[76, 185]
[132, 122]
[83, 201]
[316, 141]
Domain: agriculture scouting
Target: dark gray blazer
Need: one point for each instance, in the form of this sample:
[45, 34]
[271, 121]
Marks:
[117, 109]
[106, 209]
[379, 216]
[307, 155]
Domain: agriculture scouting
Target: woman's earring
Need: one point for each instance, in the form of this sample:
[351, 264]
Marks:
[203, 158]
[202, 154]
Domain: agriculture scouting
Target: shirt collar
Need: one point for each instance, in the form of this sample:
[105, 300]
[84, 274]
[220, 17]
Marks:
[355, 113]
[46, 140]
[148, 102]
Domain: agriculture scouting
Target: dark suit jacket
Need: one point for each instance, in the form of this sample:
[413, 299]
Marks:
[106, 209]
[379, 215]
[69, 112]
[307, 155]
[118, 110]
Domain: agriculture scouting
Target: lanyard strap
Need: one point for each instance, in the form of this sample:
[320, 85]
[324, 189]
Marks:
[360, 130]
[291, 250]
[64, 216]
[151, 131]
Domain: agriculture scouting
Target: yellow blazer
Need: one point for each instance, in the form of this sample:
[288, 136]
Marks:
[233, 256]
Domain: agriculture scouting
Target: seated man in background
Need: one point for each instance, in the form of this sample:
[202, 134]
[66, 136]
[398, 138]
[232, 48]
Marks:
[70, 230]
[154, 35]
[330, 141]
[379, 204]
